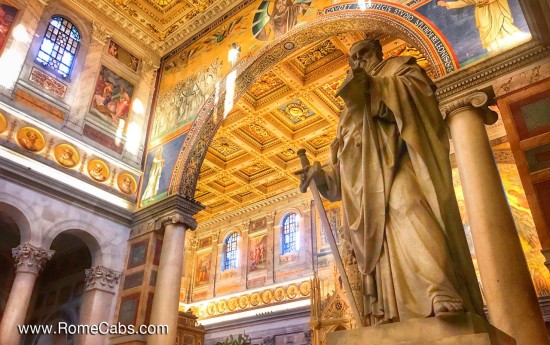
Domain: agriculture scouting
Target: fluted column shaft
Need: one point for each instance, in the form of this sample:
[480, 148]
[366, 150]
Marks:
[167, 289]
[29, 261]
[509, 292]
[101, 284]
[87, 81]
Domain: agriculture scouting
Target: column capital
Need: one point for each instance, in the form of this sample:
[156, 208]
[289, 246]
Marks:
[102, 278]
[175, 217]
[174, 209]
[100, 33]
[270, 217]
[30, 259]
[478, 100]
[148, 66]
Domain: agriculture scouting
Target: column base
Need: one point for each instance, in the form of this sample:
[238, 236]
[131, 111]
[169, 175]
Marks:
[463, 329]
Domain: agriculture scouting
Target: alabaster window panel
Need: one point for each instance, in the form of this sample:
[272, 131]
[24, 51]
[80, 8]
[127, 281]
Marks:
[289, 234]
[59, 46]
[231, 252]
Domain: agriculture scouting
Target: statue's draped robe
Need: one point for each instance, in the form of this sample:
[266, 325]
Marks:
[493, 19]
[390, 167]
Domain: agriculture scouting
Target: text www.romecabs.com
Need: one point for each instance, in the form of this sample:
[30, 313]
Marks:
[102, 328]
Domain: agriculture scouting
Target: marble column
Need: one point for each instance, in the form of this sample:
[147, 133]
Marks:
[14, 54]
[167, 289]
[29, 261]
[88, 77]
[101, 285]
[509, 292]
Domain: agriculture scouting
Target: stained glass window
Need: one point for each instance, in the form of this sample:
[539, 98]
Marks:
[59, 46]
[231, 251]
[290, 231]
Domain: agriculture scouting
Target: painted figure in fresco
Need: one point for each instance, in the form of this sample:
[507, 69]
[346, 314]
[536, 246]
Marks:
[282, 18]
[113, 49]
[389, 161]
[493, 20]
[203, 272]
[122, 103]
[154, 176]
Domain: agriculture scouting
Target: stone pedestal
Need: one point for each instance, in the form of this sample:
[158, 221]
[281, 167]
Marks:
[462, 329]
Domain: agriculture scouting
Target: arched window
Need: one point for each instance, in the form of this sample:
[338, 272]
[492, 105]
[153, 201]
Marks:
[290, 233]
[59, 46]
[231, 251]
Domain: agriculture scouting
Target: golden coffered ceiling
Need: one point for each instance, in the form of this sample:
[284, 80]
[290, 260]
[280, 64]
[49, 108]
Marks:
[293, 106]
[155, 26]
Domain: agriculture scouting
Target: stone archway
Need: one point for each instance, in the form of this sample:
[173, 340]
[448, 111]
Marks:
[392, 19]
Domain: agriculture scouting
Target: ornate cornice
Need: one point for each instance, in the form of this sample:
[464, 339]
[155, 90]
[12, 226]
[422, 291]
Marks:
[486, 71]
[475, 100]
[100, 33]
[175, 210]
[103, 278]
[30, 259]
[293, 194]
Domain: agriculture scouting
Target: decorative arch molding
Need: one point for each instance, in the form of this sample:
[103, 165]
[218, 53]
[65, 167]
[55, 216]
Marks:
[379, 17]
[25, 218]
[100, 250]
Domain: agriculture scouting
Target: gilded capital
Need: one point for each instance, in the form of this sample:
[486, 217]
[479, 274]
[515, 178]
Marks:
[478, 100]
[100, 33]
[102, 278]
[30, 259]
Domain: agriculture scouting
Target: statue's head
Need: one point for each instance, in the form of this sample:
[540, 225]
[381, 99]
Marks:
[366, 54]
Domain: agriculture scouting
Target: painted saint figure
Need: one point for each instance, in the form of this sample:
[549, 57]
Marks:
[282, 18]
[390, 168]
[154, 176]
[493, 20]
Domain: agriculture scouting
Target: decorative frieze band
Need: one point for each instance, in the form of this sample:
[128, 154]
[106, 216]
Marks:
[103, 278]
[478, 100]
[30, 259]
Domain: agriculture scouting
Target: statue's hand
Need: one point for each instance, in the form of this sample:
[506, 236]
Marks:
[361, 81]
[307, 174]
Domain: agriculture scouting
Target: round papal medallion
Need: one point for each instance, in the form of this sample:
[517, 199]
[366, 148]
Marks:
[97, 169]
[66, 155]
[31, 139]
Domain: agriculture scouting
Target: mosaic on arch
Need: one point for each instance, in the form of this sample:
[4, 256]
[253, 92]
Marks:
[195, 69]
[443, 35]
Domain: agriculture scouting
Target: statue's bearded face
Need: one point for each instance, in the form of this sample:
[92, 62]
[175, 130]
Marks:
[364, 56]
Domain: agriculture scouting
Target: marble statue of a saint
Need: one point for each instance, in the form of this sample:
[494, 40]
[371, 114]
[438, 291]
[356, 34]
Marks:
[390, 168]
